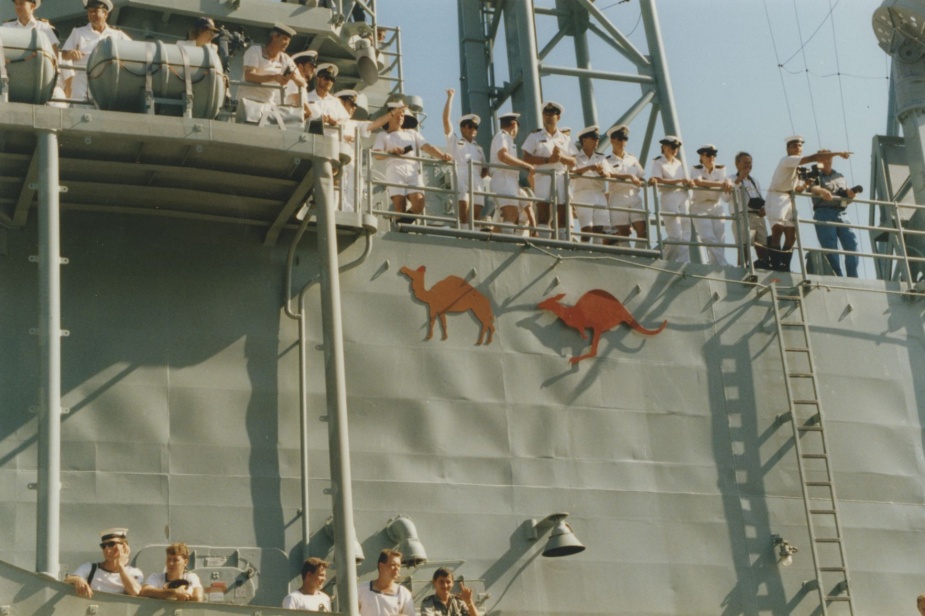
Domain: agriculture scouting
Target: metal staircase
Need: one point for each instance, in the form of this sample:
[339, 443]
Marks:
[812, 449]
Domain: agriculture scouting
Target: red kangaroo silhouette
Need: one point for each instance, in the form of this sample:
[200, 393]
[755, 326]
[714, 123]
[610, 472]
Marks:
[598, 311]
[452, 294]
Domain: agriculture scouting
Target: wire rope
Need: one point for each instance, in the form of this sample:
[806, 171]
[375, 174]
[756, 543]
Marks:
[809, 85]
[780, 67]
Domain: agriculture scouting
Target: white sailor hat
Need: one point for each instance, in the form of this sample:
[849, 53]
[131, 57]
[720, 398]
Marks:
[113, 533]
[470, 117]
[589, 131]
[92, 3]
[396, 105]
[559, 108]
[565, 131]
[328, 70]
[351, 94]
[793, 138]
[37, 3]
[707, 149]
[509, 116]
[282, 29]
[309, 55]
[621, 129]
[670, 140]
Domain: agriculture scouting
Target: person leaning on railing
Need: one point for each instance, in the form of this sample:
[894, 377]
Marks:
[830, 196]
[704, 203]
[591, 168]
[668, 173]
[396, 143]
[626, 193]
[463, 149]
[269, 64]
[505, 182]
[82, 41]
[113, 574]
[749, 192]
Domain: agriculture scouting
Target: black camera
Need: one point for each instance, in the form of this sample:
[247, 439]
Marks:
[408, 148]
[181, 583]
[808, 173]
[230, 42]
[843, 192]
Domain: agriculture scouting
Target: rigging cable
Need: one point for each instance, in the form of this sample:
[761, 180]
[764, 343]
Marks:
[780, 67]
[809, 85]
[844, 115]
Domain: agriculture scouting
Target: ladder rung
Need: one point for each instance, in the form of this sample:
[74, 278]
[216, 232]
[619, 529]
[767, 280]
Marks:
[837, 598]
[828, 540]
[790, 298]
[801, 375]
[815, 456]
[810, 428]
[833, 569]
[792, 323]
[797, 349]
[806, 401]
[819, 484]
[822, 511]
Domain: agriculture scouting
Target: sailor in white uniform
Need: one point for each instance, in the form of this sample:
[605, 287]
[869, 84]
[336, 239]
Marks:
[355, 132]
[668, 173]
[323, 104]
[589, 187]
[306, 62]
[505, 181]
[465, 148]
[270, 65]
[709, 175]
[25, 18]
[624, 196]
[83, 40]
[550, 150]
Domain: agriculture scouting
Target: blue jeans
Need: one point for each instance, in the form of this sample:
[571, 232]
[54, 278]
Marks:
[830, 236]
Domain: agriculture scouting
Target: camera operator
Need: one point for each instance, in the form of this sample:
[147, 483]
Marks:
[830, 195]
[779, 205]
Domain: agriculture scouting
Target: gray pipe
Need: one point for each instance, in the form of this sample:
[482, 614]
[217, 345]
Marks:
[49, 413]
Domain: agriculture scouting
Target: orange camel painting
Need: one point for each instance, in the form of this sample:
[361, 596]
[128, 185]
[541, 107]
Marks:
[452, 294]
[598, 311]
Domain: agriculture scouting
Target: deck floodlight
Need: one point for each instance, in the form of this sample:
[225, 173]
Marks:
[562, 541]
[365, 55]
[785, 551]
[401, 530]
[358, 555]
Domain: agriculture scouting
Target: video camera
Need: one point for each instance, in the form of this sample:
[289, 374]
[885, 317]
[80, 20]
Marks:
[843, 192]
[809, 173]
[230, 42]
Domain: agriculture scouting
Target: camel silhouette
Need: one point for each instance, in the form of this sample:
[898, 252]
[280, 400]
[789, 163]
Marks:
[452, 294]
[598, 311]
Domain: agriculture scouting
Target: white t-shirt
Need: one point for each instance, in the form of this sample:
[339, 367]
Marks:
[264, 93]
[318, 602]
[401, 138]
[106, 581]
[374, 603]
[503, 141]
[158, 580]
[328, 105]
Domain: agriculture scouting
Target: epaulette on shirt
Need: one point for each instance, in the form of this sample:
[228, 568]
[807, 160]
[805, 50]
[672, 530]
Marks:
[46, 21]
[536, 130]
[9, 21]
[698, 166]
[720, 166]
[657, 158]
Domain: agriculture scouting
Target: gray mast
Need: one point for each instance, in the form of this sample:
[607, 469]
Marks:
[480, 24]
[899, 26]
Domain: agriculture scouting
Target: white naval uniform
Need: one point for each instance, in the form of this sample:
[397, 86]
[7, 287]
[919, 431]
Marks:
[709, 202]
[541, 144]
[40, 25]
[623, 194]
[673, 200]
[779, 205]
[462, 152]
[328, 105]
[265, 66]
[505, 182]
[400, 170]
[85, 39]
[589, 189]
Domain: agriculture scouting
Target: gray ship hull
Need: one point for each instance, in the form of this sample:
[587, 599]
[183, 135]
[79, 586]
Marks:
[672, 453]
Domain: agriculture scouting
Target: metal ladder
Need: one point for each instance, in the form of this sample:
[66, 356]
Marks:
[812, 449]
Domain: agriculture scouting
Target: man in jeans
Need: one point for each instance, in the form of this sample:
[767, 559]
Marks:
[829, 202]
